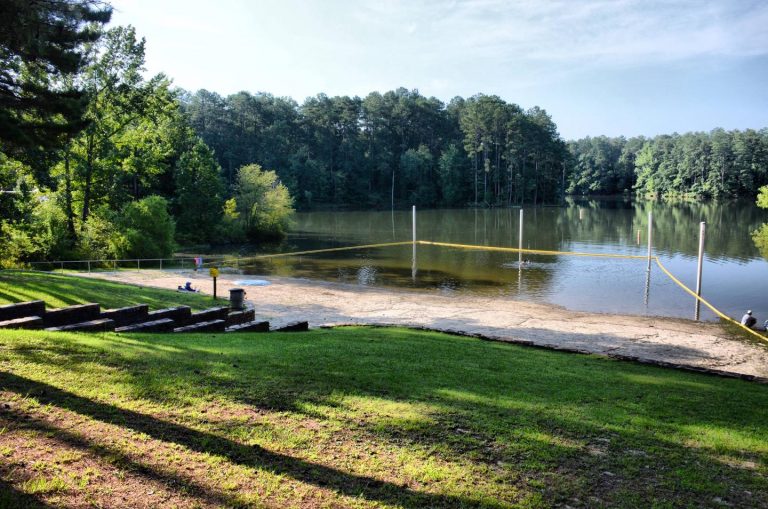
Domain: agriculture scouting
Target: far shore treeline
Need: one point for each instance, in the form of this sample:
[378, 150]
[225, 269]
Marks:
[403, 148]
[98, 160]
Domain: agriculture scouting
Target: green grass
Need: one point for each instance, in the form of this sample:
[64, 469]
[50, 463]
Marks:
[356, 417]
[385, 417]
[59, 290]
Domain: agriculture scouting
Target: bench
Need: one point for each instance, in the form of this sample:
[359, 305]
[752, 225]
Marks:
[22, 309]
[293, 327]
[249, 327]
[26, 322]
[207, 315]
[209, 326]
[127, 315]
[98, 325]
[161, 325]
[179, 314]
[71, 315]
[239, 317]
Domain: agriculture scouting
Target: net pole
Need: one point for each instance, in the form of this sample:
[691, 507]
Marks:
[413, 257]
[520, 240]
[650, 237]
[702, 235]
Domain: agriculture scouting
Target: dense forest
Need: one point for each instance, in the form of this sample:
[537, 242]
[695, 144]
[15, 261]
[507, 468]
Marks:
[388, 149]
[403, 148]
[99, 160]
[719, 164]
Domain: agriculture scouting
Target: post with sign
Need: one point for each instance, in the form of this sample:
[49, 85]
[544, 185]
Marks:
[214, 272]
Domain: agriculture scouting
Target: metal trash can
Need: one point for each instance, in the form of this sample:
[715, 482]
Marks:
[236, 298]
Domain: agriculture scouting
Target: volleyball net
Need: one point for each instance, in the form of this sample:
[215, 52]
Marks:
[250, 259]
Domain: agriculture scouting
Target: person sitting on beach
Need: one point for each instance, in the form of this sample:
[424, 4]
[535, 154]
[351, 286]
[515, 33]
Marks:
[187, 287]
[748, 319]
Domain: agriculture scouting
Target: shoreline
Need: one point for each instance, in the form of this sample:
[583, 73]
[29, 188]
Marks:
[667, 341]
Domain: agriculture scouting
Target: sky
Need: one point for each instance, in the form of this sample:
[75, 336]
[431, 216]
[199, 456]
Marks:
[599, 67]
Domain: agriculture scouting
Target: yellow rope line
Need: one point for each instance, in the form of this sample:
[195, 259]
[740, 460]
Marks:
[704, 301]
[314, 251]
[716, 311]
[529, 251]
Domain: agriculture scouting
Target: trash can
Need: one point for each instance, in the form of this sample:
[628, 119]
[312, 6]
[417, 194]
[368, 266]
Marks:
[236, 298]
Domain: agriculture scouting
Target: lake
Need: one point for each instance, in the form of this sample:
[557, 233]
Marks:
[733, 274]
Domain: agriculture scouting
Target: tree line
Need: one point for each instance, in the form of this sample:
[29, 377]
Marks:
[387, 150]
[719, 164]
[401, 148]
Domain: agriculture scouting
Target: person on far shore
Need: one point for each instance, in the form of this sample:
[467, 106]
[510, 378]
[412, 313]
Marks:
[748, 319]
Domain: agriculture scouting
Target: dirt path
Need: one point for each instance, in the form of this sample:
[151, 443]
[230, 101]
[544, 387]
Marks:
[658, 339]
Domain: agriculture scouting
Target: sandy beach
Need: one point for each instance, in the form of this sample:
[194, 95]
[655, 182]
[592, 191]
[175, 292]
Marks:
[677, 341]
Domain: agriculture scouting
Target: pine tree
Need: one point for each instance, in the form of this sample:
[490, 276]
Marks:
[41, 48]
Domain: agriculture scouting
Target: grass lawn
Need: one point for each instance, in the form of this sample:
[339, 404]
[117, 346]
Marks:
[363, 417]
[366, 418]
[58, 290]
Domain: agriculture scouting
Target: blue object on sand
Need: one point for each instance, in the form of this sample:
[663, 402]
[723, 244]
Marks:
[252, 282]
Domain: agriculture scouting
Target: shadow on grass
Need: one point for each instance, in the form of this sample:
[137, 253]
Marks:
[116, 457]
[544, 414]
[631, 345]
[251, 456]
[11, 498]
[56, 290]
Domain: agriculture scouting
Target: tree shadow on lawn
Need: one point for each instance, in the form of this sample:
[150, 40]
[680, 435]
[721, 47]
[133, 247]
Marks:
[71, 290]
[544, 414]
[17, 296]
[251, 456]
[548, 411]
[115, 457]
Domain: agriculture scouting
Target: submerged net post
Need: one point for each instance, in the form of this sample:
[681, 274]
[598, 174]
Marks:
[520, 240]
[650, 237]
[702, 234]
[413, 258]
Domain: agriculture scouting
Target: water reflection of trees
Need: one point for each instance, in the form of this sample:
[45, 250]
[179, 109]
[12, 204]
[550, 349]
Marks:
[760, 238]
[613, 224]
[582, 224]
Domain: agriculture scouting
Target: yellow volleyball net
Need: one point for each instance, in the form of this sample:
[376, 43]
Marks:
[544, 252]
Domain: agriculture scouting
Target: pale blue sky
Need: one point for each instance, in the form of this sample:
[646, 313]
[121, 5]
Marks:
[614, 67]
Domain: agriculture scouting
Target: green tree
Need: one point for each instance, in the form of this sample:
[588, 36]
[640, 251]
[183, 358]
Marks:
[199, 194]
[760, 236]
[41, 49]
[762, 197]
[128, 139]
[101, 237]
[418, 172]
[148, 228]
[453, 177]
[40, 232]
[263, 203]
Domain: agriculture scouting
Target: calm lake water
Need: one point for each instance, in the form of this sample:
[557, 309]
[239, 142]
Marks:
[734, 271]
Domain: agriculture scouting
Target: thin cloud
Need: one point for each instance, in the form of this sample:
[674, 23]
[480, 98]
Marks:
[594, 31]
